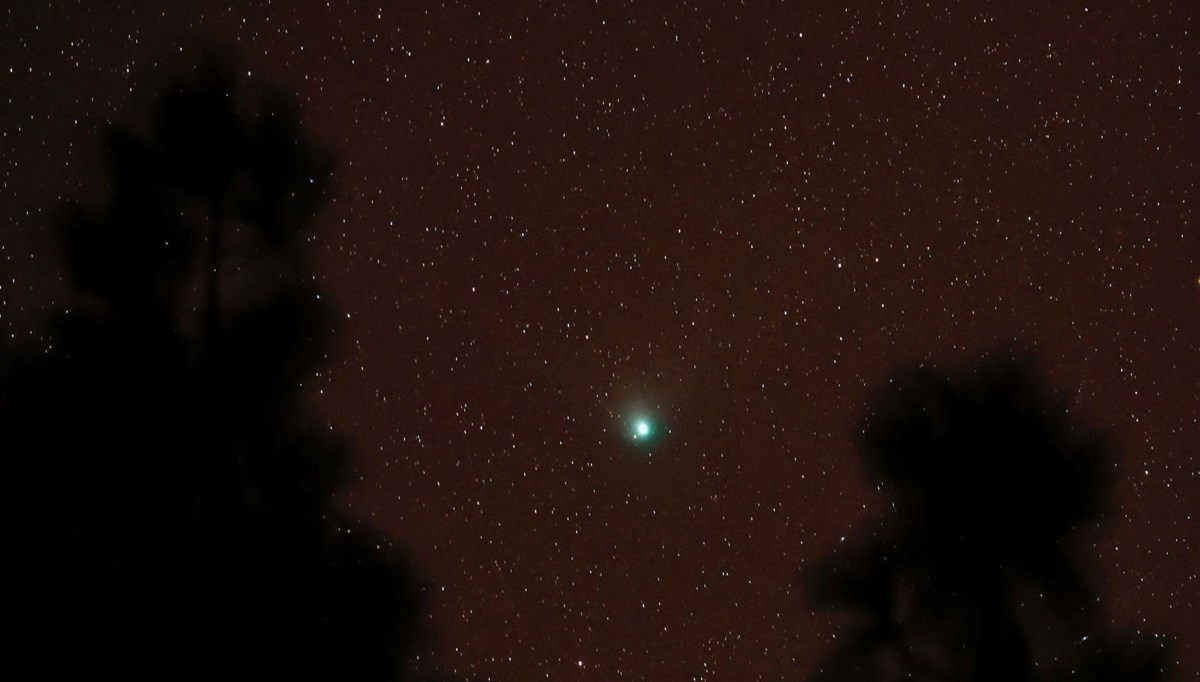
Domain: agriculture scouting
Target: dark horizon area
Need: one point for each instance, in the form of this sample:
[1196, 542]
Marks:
[623, 342]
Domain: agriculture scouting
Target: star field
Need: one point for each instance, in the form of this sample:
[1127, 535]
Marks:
[553, 220]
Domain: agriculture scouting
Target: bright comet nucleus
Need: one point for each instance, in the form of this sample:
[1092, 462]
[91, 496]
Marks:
[642, 430]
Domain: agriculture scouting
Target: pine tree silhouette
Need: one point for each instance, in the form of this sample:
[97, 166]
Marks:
[976, 573]
[174, 491]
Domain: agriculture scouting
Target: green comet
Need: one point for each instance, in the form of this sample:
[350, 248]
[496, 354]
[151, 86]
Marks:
[642, 431]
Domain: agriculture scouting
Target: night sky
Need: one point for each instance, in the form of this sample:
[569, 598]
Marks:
[734, 221]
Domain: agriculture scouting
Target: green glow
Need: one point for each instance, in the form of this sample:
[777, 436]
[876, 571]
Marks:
[642, 430]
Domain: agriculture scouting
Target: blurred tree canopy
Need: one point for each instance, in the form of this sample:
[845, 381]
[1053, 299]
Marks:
[977, 572]
[174, 515]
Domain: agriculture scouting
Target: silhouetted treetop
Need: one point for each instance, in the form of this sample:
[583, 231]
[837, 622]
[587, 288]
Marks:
[975, 572]
[179, 489]
[987, 462]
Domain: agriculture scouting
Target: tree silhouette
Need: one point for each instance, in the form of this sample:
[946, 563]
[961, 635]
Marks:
[977, 572]
[174, 501]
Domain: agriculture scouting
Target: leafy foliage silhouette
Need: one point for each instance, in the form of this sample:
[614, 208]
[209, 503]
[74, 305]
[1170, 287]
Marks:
[978, 572]
[176, 506]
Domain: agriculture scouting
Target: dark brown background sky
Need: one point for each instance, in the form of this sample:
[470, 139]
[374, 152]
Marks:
[738, 219]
